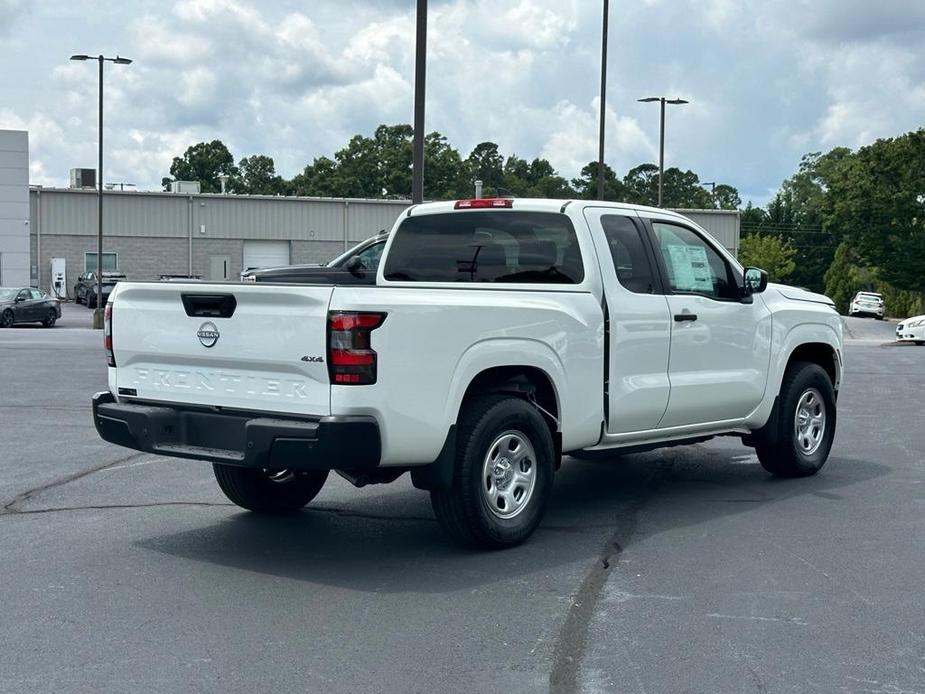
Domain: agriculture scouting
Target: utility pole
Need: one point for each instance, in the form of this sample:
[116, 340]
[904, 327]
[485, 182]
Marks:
[420, 65]
[603, 106]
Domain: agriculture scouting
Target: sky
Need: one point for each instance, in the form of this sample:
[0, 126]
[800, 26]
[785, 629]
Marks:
[767, 80]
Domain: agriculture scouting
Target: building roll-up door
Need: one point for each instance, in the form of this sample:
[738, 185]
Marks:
[265, 254]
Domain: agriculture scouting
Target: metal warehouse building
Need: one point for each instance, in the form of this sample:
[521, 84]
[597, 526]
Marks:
[216, 236]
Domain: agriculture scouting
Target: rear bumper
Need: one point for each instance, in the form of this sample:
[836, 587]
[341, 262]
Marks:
[242, 439]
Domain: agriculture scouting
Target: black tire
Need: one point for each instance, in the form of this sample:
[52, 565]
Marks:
[463, 510]
[258, 491]
[787, 457]
[6, 319]
[50, 319]
[91, 301]
[76, 296]
[920, 342]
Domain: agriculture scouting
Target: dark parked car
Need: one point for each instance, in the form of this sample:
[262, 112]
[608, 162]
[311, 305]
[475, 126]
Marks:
[27, 305]
[85, 289]
[356, 266]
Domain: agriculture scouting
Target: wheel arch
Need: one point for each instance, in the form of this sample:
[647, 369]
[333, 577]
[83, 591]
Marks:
[535, 380]
[821, 353]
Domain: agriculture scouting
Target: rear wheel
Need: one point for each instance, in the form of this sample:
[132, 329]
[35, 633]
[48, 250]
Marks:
[50, 318]
[268, 491]
[806, 425]
[503, 474]
[6, 319]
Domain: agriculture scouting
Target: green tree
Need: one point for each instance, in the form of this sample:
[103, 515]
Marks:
[445, 173]
[726, 197]
[203, 162]
[877, 202]
[486, 164]
[585, 185]
[843, 278]
[257, 176]
[318, 179]
[536, 179]
[640, 185]
[682, 189]
[768, 252]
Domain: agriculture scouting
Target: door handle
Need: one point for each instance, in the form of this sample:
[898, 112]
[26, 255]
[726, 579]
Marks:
[681, 317]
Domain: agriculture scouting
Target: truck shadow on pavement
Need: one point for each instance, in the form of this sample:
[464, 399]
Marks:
[594, 513]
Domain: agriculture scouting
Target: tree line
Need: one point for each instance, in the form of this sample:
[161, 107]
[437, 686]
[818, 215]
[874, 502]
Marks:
[844, 221]
[848, 221]
[379, 166]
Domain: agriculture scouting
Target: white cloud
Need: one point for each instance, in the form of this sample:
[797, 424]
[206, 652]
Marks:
[767, 81]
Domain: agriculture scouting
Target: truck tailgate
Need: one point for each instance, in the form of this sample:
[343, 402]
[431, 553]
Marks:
[242, 346]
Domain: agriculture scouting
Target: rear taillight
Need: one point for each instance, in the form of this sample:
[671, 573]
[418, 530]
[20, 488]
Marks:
[351, 358]
[107, 335]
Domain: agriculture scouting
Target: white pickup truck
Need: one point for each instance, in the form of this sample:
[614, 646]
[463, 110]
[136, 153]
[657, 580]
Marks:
[501, 335]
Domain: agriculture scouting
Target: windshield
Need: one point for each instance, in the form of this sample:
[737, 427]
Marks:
[346, 255]
[7, 294]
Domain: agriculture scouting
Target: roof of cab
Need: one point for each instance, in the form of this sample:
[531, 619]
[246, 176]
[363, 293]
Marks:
[533, 205]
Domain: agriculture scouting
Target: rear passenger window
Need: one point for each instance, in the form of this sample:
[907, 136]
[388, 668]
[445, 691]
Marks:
[634, 271]
[486, 246]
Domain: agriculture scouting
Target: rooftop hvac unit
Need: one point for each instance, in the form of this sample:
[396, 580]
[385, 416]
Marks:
[184, 187]
[83, 178]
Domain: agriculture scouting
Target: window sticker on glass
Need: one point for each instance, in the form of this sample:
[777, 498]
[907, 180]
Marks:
[690, 268]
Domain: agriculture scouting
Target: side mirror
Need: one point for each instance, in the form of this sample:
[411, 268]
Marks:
[355, 267]
[756, 281]
[20, 299]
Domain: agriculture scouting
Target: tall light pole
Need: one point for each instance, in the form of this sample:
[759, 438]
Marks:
[661, 139]
[420, 64]
[603, 107]
[98, 313]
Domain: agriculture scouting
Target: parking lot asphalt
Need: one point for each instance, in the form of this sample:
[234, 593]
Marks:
[682, 570]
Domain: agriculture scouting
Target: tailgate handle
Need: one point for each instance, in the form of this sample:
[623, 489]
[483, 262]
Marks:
[209, 305]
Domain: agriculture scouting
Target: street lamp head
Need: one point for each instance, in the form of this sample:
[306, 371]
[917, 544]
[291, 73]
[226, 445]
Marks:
[122, 61]
[649, 98]
[80, 57]
[676, 101]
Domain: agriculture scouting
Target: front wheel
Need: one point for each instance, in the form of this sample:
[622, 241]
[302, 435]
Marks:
[268, 491]
[806, 425]
[49, 321]
[505, 460]
[6, 319]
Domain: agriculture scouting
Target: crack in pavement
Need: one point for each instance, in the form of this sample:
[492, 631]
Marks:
[573, 637]
[12, 506]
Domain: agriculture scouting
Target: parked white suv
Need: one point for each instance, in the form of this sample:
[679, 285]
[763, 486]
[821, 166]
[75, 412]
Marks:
[867, 304]
[500, 336]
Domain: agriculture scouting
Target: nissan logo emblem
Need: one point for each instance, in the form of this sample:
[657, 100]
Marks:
[208, 334]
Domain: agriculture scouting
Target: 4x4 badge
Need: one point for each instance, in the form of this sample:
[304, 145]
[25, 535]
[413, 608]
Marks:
[208, 334]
